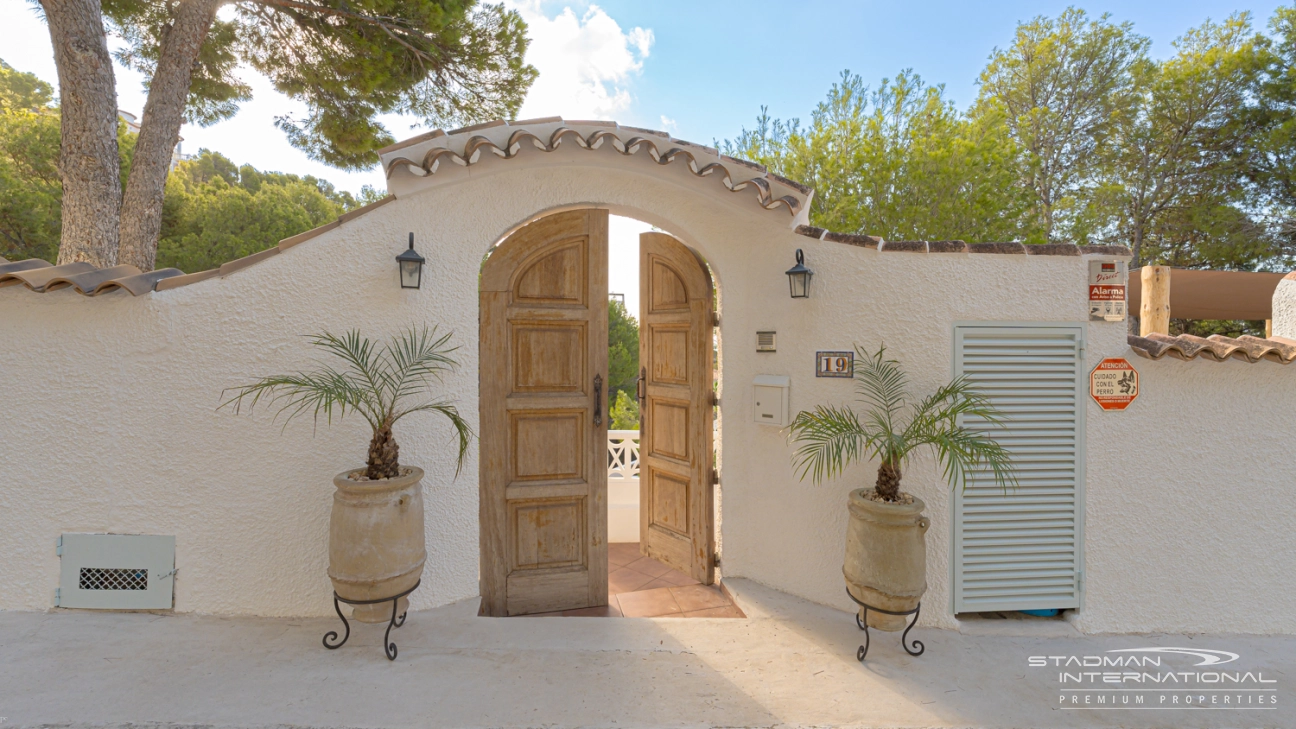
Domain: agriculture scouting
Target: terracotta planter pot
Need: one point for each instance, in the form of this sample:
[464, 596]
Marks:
[886, 557]
[376, 542]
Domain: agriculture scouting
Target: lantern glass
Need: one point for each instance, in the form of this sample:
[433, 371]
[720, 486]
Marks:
[799, 278]
[411, 272]
[411, 266]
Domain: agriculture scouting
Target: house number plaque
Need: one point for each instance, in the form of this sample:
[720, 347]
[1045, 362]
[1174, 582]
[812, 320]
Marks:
[834, 364]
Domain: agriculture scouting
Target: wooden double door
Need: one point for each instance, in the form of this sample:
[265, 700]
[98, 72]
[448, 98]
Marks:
[544, 419]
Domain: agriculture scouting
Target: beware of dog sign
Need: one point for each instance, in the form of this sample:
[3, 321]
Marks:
[1113, 384]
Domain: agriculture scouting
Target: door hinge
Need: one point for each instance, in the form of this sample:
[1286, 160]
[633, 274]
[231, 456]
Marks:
[58, 545]
[58, 596]
[715, 477]
[715, 559]
[715, 400]
[715, 319]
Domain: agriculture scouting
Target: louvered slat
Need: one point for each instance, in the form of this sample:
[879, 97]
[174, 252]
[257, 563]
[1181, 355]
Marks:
[1021, 550]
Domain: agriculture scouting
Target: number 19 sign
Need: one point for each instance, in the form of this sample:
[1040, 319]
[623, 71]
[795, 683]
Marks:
[1114, 384]
[834, 364]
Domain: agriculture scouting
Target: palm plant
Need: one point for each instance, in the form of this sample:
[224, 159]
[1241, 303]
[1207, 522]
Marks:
[895, 425]
[381, 384]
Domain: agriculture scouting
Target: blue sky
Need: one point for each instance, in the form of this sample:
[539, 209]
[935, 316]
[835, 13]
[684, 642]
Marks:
[700, 70]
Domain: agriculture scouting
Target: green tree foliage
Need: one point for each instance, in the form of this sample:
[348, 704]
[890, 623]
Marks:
[624, 413]
[1078, 135]
[1177, 193]
[899, 160]
[623, 354]
[1271, 154]
[215, 211]
[31, 192]
[449, 62]
[1060, 87]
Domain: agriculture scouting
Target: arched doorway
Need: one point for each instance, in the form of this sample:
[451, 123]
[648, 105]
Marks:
[544, 419]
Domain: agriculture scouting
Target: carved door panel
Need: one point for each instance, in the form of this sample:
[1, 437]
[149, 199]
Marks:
[543, 434]
[676, 513]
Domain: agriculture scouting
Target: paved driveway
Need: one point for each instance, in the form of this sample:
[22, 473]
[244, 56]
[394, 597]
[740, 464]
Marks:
[791, 663]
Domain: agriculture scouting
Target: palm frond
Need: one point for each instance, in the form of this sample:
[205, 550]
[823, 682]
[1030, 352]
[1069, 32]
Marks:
[882, 384]
[375, 382]
[322, 391]
[463, 431]
[418, 357]
[956, 421]
[827, 440]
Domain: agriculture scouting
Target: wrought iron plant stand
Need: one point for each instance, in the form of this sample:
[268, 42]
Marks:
[904, 637]
[388, 647]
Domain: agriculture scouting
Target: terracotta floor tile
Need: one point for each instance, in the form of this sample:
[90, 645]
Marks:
[624, 579]
[698, 597]
[656, 584]
[648, 603]
[622, 554]
[676, 578]
[649, 566]
[729, 611]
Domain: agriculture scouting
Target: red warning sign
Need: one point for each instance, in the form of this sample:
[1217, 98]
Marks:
[1114, 384]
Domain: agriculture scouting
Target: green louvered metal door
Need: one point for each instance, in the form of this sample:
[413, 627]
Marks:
[1023, 550]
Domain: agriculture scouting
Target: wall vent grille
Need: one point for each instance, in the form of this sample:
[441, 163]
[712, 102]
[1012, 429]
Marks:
[100, 578]
[116, 571]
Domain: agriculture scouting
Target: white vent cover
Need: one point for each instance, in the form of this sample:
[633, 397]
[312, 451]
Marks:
[1022, 550]
[116, 571]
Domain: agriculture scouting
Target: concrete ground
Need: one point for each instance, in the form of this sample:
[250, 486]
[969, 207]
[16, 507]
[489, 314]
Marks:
[791, 663]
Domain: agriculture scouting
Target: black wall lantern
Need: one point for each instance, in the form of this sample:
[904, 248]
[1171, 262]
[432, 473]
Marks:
[411, 267]
[799, 277]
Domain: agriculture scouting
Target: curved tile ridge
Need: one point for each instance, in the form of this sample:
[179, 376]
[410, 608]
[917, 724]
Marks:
[1215, 348]
[626, 140]
[84, 278]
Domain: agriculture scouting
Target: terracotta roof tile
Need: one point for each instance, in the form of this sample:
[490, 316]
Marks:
[1215, 348]
[83, 278]
[36, 278]
[1106, 250]
[1052, 249]
[140, 284]
[946, 246]
[16, 266]
[850, 239]
[1002, 248]
[242, 263]
[810, 231]
[904, 246]
[186, 279]
[659, 146]
[540, 120]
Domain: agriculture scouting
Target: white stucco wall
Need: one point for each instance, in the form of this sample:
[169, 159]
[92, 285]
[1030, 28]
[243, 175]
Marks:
[1284, 307]
[110, 421]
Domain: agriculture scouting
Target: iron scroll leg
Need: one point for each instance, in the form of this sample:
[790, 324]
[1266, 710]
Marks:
[332, 634]
[861, 620]
[389, 648]
[905, 636]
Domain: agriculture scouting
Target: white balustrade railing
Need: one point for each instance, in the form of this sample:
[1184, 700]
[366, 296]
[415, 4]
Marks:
[623, 454]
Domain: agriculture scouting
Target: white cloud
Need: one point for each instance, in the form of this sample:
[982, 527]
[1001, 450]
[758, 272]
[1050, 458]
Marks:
[586, 63]
[668, 124]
